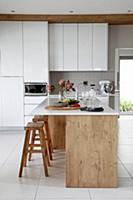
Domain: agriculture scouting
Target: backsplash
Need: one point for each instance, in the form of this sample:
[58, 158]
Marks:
[77, 77]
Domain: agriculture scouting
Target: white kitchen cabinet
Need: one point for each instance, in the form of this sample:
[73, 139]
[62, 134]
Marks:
[35, 37]
[29, 104]
[56, 47]
[85, 47]
[70, 47]
[11, 51]
[78, 47]
[0, 103]
[12, 109]
[100, 47]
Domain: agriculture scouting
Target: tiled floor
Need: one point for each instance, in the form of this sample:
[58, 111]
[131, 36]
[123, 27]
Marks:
[35, 186]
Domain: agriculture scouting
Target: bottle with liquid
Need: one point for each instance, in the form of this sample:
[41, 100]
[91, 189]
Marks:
[92, 96]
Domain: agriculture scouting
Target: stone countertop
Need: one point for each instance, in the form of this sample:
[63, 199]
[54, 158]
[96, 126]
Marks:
[41, 109]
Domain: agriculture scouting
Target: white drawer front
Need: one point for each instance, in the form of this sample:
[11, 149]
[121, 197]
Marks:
[34, 100]
[28, 108]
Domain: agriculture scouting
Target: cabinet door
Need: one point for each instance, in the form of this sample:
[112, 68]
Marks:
[11, 52]
[0, 102]
[12, 102]
[85, 47]
[56, 47]
[35, 36]
[70, 47]
[100, 47]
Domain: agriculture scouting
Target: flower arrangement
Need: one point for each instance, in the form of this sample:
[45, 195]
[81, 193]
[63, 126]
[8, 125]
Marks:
[63, 86]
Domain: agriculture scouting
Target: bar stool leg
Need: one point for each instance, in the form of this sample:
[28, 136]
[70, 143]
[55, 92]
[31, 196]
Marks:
[46, 147]
[43, 148]
[49, 140]
[24, 153]
[32, 142]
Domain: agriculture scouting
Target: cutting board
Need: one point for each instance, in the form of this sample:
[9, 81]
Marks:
[61, 108]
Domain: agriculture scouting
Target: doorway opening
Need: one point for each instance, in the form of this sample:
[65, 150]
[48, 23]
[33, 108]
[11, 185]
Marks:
[123, 100]
[126, 85]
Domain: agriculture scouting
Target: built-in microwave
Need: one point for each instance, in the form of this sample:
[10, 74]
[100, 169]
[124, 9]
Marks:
[35, 89]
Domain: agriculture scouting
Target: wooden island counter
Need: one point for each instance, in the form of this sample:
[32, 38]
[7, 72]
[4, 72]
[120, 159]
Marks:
[90, 140]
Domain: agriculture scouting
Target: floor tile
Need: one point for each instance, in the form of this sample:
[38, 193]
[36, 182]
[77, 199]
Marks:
[122, 172]
[60, 193]
[18, 191]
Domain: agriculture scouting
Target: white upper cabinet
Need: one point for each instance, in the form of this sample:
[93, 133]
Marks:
[85, 47]
[0, 102]
[11, 52]
[56, 47]
[100, 47]
[79, 47]
[35, 37]
[11, 102]
[70, 47]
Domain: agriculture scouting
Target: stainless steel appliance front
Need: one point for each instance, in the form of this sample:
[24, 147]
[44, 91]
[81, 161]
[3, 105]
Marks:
[35, 89]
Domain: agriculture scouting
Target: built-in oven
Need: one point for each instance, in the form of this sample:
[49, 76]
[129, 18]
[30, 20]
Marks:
[35, 89]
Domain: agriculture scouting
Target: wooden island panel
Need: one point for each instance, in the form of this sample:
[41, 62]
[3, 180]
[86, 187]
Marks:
[91, 151]
[57, 125]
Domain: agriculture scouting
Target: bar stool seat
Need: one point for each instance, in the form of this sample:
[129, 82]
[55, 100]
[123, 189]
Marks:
[44, 118]
[29, 147]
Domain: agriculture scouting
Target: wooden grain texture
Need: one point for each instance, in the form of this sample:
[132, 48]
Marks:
[112, 19]
[57, 131]
[61, 108]
[91, 151]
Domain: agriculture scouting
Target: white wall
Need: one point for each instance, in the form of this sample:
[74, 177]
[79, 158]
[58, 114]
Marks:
[120, 36]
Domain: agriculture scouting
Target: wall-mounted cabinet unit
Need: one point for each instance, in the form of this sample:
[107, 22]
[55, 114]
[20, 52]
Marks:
[85, 47]
[11, 102]
[35, 37]
[100, 47]
[56, 47]
[70, 47]
[11, 51]
[82, 47]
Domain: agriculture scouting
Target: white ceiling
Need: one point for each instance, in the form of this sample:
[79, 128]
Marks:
[64, 6]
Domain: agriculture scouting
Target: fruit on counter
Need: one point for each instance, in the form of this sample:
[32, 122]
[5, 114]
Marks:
[76, 105]
[69, 101]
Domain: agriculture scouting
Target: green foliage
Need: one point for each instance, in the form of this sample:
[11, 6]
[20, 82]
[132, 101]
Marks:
[126, 106]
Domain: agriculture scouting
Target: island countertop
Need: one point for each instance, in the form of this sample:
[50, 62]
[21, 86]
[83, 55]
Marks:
[41, 109]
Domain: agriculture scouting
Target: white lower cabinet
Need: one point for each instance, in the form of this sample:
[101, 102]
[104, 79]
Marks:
[29, 104]
[11, 102]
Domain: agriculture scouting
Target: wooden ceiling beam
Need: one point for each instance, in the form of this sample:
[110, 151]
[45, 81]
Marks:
[112, 19]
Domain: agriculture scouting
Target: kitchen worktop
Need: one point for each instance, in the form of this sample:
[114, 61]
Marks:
[41, 109]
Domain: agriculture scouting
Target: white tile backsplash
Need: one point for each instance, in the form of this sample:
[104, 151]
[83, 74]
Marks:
[77, 77]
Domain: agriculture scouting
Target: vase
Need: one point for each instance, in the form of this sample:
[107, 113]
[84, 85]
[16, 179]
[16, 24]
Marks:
[61, 94]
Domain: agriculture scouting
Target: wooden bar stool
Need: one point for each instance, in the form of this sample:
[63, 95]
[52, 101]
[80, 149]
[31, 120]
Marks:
[29, 147]
[44, 118]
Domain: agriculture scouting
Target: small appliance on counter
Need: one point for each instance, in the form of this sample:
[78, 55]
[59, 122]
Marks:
[106, 87]
[35, 89]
